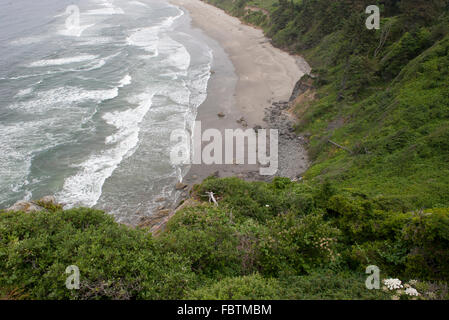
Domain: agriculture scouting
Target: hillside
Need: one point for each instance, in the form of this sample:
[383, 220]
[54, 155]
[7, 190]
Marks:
[381, 94]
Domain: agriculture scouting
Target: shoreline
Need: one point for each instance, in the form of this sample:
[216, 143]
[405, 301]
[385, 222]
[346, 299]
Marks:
[265, 75]
[251, 80]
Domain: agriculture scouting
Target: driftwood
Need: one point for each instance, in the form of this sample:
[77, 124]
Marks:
[339, 146]
[212, 198]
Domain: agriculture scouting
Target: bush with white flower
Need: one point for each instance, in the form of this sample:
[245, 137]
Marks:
[397, 287]
[412, 292]
[393, 284]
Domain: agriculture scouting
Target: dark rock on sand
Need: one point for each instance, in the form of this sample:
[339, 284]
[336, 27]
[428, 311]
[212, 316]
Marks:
[180, 186]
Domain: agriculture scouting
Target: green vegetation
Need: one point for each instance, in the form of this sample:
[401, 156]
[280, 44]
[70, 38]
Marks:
[382, 200]
[115, 262]
[381, 94]
[279, 240]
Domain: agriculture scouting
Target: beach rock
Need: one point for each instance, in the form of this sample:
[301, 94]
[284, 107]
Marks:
[279, 106]
[163, 212]
[240, 120]
[216, 174]
[180, 186]
[161, 199]
[25, 206]
[291, 147]
[220, 115]
[48, 200]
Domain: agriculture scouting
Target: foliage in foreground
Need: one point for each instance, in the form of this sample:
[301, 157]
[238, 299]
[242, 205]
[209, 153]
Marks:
[291, 241]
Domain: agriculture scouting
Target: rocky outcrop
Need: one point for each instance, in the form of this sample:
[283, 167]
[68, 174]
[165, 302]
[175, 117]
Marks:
[49, 200]
[25, 206]
[33, 206]
[180, 186]
[156, 223]
[304, 84]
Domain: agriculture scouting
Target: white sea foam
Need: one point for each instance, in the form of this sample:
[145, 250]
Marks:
[94, 41]
[148, 38]
[92, 65]
[109, 9]
[63, 96]
[24, 92]
[125, 81]
[106, 11]
[15, 161]
[19, 142]
[62, 61]
[178, 56]
[86, 186]
[138, 3]
[177, 92]
[97, 64]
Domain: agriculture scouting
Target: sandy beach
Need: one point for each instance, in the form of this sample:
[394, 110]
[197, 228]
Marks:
[249, 74]
[265, 73]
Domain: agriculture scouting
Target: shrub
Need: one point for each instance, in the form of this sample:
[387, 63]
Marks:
[296, 245]
[259, 200]
[115, 262]
[207, 238]
[327, 285]
[252, 287]
[428, 238]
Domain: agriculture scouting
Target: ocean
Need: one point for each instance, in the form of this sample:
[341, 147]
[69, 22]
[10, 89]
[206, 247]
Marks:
[87, 109]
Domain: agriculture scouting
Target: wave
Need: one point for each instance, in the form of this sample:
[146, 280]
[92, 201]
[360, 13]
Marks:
[148, 38]
[125, 81]
[92, 65]
[24, 92]
[178, 56]
[109, 9]
[20, 141]
[64, 96]
[86, 186]
[139, 3]
[106, 11]
[62, 61]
